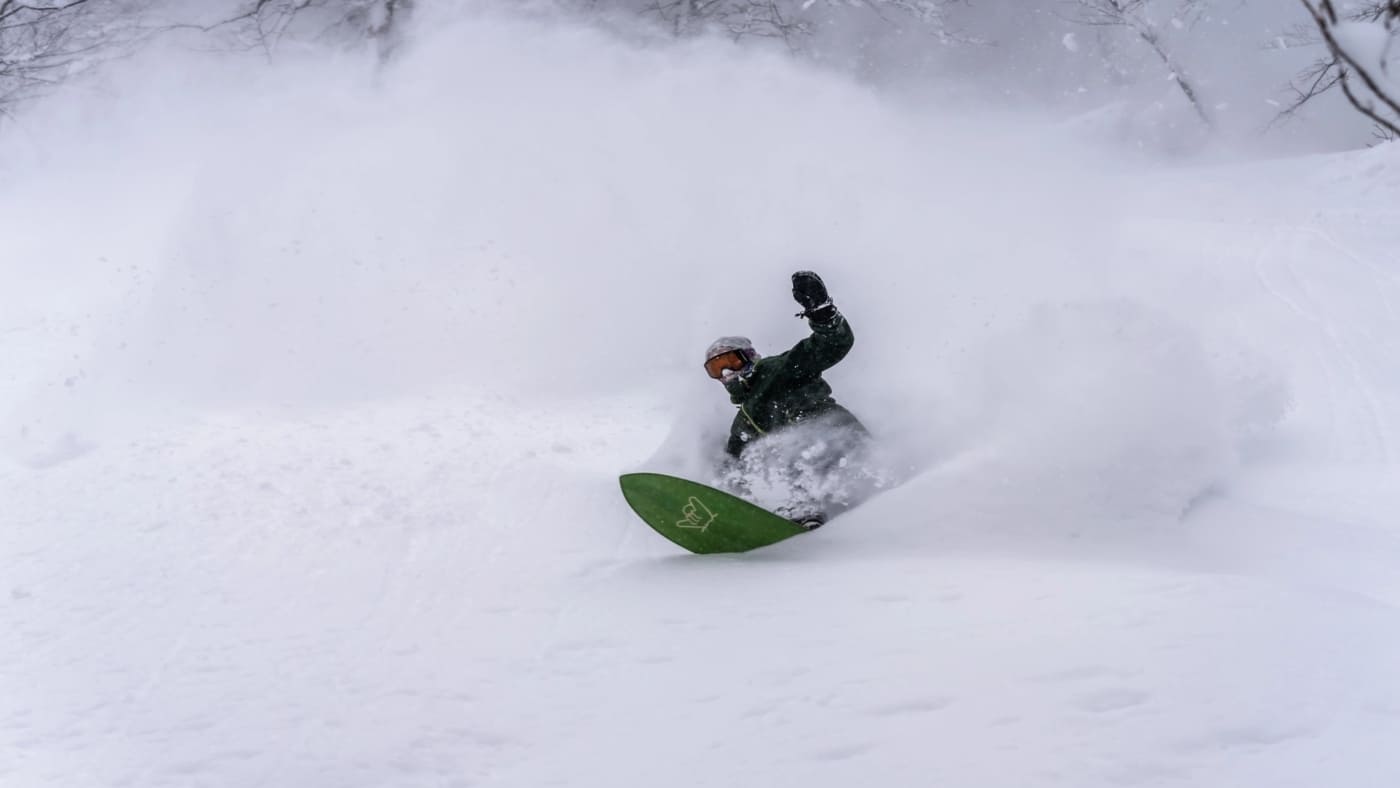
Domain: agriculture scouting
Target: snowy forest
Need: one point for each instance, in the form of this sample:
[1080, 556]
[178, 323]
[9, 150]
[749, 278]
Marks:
[515, 393]
[1174, 73]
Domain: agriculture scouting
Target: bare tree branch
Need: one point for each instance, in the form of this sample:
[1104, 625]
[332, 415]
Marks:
[1317, 79]
[1130, 15]
[1376, 97]
[44, 42]
[263, 24]
[40, 43]
[785, 20]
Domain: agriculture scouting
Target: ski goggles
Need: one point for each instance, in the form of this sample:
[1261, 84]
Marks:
[728, 361]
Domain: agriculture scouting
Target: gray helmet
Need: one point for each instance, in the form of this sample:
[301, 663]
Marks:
[725, 345]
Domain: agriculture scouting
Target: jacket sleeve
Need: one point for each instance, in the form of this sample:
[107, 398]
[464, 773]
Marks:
[735, 445]
[828, 344]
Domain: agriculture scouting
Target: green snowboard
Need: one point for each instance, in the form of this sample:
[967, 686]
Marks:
[702, 519]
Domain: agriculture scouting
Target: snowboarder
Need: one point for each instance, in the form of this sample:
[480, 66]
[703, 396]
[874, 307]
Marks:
[788, 425]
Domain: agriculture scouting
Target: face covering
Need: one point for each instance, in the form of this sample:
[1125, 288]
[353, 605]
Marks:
[738, 388]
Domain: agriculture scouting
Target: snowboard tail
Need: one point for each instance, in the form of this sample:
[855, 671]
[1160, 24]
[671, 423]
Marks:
[702, 519]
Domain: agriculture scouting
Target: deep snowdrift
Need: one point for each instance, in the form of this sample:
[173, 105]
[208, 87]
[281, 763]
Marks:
[317, 387]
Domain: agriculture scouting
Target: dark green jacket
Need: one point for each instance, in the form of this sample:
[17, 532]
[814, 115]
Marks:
[788, 388]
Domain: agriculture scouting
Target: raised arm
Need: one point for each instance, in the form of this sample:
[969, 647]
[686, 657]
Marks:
[831, 337]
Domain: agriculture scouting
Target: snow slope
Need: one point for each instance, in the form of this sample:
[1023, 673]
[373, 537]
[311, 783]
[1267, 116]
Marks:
[308, 450]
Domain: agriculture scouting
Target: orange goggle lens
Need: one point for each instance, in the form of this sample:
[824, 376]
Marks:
[734, 360]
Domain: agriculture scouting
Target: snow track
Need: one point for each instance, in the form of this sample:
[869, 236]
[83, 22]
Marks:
[1347, 304]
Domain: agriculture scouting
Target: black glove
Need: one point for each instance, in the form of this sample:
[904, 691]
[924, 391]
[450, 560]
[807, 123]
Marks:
[808, 290]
